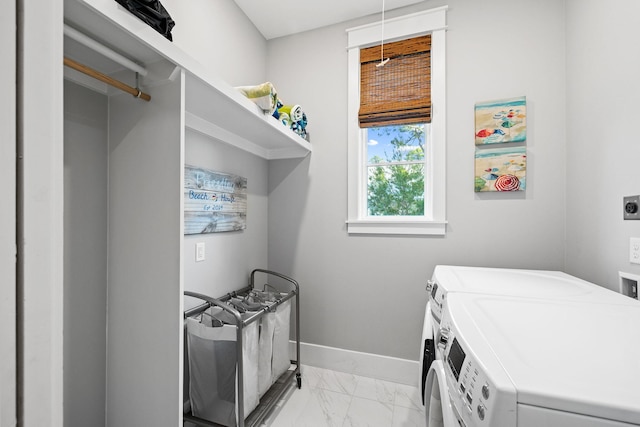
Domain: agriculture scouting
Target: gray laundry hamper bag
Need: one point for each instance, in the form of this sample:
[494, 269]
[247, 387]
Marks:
[212, 370]
[267, 329]
[275, 358]
[281, 359]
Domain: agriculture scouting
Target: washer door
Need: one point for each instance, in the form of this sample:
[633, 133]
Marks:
[438, 409]
[427, 349]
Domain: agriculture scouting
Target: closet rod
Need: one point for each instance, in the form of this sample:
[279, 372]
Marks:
[102, 49]
[106, 79]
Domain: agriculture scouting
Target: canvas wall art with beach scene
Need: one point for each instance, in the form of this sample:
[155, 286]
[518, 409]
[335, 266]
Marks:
[501, 121]
[501, 169]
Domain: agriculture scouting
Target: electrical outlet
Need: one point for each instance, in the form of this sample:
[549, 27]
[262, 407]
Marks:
[200, 251]
[631, 207]
[634, 250]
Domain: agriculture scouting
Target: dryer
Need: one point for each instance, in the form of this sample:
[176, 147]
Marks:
[525, 362]
[514, 282]
[538, 284]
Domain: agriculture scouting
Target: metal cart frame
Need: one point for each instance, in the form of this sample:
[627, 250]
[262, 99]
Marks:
[277, 390]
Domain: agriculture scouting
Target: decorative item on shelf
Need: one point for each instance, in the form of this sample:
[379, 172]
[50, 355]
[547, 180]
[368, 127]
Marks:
[263, 95]
[293, 117]
[276, 112]
[152, 13]
[285, 119]
[501, 122]
[294, 112]
[300, 126]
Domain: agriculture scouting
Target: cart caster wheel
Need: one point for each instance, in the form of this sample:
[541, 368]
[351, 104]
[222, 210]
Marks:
[299, 379]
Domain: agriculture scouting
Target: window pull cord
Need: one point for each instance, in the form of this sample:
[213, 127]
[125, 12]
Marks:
[382, 60]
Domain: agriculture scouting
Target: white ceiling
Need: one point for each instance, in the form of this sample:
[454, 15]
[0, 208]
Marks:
[284, 17]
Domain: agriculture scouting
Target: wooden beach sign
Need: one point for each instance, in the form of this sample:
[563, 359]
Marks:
[213, 201]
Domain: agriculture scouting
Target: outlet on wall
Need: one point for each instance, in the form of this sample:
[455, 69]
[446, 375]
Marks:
[634, 250]
[631, 206]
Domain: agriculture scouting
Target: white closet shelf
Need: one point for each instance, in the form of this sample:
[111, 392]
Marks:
[212, 106]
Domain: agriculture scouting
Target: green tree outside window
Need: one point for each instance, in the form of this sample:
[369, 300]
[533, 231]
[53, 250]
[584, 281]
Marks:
[396, 168]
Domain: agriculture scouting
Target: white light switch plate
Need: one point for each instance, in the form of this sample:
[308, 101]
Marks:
[200, 251]
[634, 250]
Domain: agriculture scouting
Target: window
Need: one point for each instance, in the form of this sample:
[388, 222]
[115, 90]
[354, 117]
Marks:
[397, 144]
[395, 170]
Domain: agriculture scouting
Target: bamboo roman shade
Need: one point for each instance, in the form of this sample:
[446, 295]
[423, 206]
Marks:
[400, 91]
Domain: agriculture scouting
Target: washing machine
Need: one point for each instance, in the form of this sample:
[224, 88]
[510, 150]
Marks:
[534, 284]
[523, 362]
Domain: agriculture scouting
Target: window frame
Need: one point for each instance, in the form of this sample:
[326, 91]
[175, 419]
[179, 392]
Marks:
[433, 222]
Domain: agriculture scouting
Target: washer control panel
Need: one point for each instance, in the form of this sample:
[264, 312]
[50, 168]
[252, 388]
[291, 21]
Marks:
[480, 391]
[470, 389]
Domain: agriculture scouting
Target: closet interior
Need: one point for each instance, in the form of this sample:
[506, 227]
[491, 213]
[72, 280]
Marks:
[124, 183]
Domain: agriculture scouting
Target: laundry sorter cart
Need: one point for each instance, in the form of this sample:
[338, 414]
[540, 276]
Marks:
[224, 381]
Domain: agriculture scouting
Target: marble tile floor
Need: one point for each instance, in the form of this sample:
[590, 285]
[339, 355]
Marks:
[335, 399]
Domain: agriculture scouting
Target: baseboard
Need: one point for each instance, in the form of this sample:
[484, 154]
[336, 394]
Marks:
[386, 368]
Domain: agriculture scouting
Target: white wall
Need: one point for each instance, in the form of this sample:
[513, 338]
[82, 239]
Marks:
[230, 256]
[144, 308]
[602, 148]
[8, 217]
[85, 256]
[221, 37]
[367, 293]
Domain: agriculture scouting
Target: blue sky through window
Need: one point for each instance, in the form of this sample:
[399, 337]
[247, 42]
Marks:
[379, 142]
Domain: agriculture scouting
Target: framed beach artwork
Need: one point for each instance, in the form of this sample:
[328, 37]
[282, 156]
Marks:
[501, 121]
[501, 169]
[213, 201]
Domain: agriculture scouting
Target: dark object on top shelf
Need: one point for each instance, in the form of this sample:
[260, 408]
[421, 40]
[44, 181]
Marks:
[152, 13]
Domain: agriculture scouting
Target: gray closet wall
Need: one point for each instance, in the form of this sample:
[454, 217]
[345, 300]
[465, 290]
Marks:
[85, 255]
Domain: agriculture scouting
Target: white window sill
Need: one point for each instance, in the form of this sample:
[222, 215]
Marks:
[402, 227]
